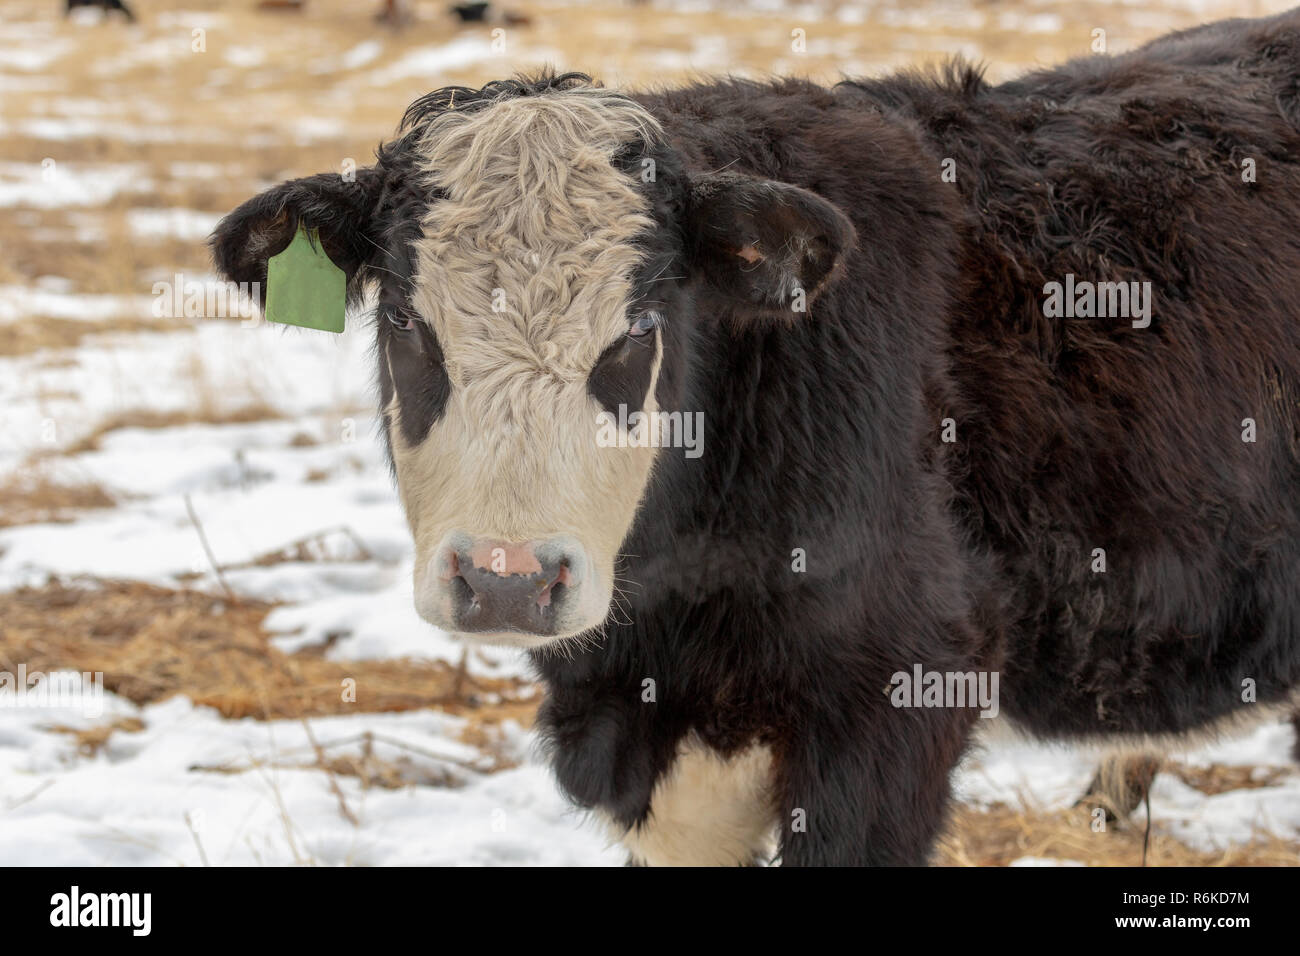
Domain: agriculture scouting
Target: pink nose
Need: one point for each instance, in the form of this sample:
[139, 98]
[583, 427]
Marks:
[502, 558]
[509, 586]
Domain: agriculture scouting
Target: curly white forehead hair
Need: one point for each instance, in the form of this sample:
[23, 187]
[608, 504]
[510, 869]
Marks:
[531, 248]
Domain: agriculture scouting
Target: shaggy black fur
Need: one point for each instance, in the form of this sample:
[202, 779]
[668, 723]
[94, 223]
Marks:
[824, 430]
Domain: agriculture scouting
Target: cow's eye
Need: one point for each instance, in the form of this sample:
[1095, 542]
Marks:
[402, 319]
[645, 324]
[621, 376]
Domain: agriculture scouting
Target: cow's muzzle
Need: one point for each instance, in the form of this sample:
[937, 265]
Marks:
[490, 586]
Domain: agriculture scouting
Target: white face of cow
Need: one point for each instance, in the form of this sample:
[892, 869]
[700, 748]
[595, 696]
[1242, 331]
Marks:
[517, 257]
[524, 273]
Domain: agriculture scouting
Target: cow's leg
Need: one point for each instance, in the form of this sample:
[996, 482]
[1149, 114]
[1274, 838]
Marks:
[871, 790]
[1121, 783]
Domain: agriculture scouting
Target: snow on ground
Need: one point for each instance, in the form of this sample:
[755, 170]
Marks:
[17, 302]
[256, 487]
[139, 802]
[1006, 769]
[188, 224]
[49, 184]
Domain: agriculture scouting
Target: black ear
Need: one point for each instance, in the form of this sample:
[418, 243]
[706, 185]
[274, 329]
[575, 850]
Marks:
[343, 211]
[761, 242]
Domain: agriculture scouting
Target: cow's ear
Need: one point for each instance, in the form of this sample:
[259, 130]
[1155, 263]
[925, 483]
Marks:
[763, 243]
[342, 210]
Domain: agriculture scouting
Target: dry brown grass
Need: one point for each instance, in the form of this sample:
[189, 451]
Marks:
[90, 740]
[1001, 834]
[151, 643]
[33, 497]
[390, 774]
[1219, 778]
[36, 333]
[401, 764]
[150, 418]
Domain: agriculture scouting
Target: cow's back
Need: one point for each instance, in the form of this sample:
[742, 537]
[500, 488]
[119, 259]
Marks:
[1140, 483]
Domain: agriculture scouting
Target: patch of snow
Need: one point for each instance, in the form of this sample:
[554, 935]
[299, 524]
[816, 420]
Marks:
[142, 802]
[187, 224]
[429, 61]
[52, 184]
[31, 57]
[360, 55]
[19, 302]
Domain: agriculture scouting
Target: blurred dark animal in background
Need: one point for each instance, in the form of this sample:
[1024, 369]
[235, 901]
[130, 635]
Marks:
[108, 6]
[470, 12]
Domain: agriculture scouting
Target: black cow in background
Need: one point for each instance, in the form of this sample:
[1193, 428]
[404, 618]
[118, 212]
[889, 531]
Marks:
[108, 6]
[996, 380]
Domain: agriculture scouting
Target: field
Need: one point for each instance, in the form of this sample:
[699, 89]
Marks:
[199, 509]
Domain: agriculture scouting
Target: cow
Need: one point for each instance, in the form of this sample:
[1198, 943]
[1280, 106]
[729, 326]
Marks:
[108, 6]
[778, 422]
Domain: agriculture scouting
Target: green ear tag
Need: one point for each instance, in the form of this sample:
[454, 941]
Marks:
[303, 287]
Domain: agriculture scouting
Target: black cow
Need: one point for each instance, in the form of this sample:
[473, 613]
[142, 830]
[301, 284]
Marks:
[780, 423]
[108, 6]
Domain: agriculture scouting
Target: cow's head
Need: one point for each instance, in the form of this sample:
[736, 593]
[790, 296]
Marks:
[538, 252]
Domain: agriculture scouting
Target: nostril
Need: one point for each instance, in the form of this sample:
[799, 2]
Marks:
[554, 587]
[447, 565]
[464, 595]
[503, 585]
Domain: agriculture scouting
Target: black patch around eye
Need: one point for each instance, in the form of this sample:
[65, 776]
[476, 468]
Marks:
[415, 372]
[621, 376]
